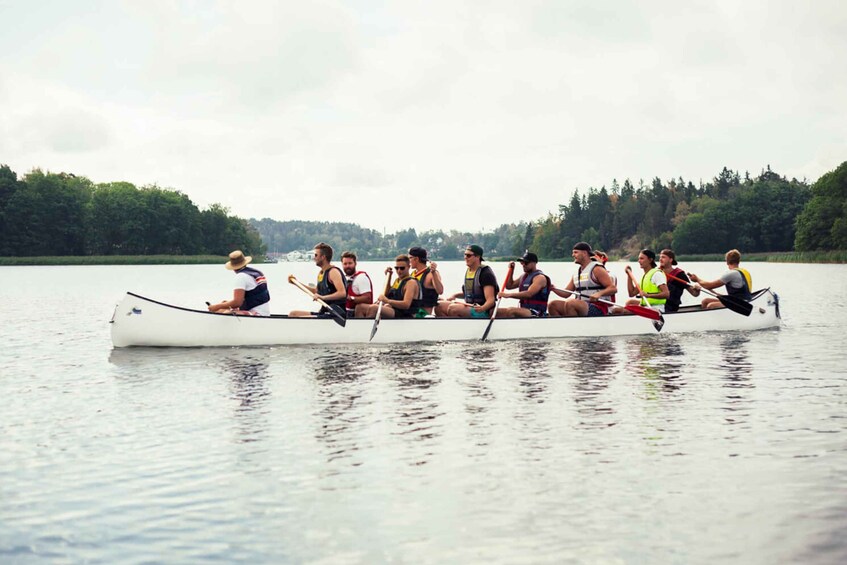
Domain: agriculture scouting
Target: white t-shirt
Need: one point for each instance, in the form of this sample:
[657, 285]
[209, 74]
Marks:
[361, 284]
[245, 282]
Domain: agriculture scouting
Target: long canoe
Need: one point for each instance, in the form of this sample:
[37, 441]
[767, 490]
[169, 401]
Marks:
[140, 321]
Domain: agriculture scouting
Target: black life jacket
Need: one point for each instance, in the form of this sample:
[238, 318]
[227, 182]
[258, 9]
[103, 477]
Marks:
[258, 295]
[536, 302]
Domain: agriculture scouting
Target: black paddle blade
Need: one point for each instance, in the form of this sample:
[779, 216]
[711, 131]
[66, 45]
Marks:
[339, 318]
[659, 324]
[736, 304]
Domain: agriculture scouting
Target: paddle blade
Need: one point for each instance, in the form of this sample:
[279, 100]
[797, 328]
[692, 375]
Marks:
[736, 304]
[376, 321]
[340, 319]
[659, 324]
[646, 312]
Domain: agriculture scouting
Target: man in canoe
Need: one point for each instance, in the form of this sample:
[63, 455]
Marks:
[591, 283]
[667, 263]
[479, 291]
[250, 297]
[737, 281]
[533, 290]
[403, 299]
[359, 286]
[428, 278]
[652, 291]
[331, 287]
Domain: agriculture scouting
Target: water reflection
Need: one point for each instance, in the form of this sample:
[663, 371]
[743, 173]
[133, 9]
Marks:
[417, 411]
[659, 362]
[532, 358]
[593, 367]
[737, 379]
[248, 382]
[339, 377]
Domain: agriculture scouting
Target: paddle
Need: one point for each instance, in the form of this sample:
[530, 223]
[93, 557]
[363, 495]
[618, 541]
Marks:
[337, 318]
[655, 315]
[381, 304]
[737, 305]
[497, 304]
[641, 293]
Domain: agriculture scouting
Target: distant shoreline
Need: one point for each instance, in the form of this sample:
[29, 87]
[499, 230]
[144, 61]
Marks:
[837, 257]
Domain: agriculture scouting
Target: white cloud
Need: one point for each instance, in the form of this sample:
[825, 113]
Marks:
[419, 114]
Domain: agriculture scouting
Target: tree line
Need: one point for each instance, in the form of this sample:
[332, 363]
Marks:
[60, 214]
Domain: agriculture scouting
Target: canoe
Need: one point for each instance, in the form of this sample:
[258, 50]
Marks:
[140, 321]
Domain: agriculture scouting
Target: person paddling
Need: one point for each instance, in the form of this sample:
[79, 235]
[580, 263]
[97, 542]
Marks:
[533, 290]
[331, 287]
[737, 280]
[590, 283]
[250, 297]
[667, 263]
[652, 291]
[479, 290]
[359, 285]
[403, 298]
[428, 277]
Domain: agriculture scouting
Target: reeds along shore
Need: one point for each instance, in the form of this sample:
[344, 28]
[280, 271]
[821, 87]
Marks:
[114, 260]
[838, 256]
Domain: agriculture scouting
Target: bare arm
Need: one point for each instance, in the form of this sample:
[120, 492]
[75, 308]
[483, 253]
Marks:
[537, 285]
[490, 295]
[338, 282]
[604, 278]
[710, 285]
[409, 294]
[236, 302]
[562, 293]
[435, 277]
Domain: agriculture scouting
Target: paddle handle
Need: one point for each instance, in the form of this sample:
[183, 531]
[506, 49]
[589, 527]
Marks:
[293, 280]
[706, 290]
[604, 301]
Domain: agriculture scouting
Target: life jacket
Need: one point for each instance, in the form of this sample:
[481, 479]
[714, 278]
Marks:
[398, 292]
[258, 295]
[325, 286]
[585, 285]
[350, 294]
[472, 290]
[429, 296]
[743, 293]
[538, 301]
[647, 286]
[676, 289]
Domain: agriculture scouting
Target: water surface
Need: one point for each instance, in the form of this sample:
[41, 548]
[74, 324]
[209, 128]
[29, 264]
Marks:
[665, 448]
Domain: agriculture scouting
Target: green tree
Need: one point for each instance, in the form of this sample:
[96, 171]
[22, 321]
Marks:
[821, 223]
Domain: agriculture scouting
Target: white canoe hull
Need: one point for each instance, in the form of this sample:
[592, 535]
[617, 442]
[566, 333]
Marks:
[139, 321]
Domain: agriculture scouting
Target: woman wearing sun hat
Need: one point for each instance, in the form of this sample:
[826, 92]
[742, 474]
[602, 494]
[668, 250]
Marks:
[250, 296]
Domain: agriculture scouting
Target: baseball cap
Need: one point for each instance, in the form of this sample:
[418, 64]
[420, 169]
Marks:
[418, 252]
[529, 257]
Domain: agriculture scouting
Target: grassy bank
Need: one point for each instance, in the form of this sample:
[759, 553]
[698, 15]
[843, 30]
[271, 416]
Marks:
[781, 257]
[116, 260]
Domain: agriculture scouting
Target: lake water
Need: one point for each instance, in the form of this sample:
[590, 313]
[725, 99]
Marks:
[659, 449]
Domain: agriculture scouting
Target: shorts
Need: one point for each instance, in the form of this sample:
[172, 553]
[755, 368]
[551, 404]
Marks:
[475, 314]
[421, 313]
[594, 311]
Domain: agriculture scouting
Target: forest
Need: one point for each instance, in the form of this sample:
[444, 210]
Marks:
[60, 214]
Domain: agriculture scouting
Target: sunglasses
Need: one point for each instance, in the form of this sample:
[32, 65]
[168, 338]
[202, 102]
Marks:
[469, 255]
[400, 267]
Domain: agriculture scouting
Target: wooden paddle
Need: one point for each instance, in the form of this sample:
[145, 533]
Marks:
[655, 315]
[497, 304]
[381, 304]
[337, 318]
[737, 305]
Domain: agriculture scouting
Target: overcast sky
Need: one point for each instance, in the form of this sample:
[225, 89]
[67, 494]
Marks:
[452, 115]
